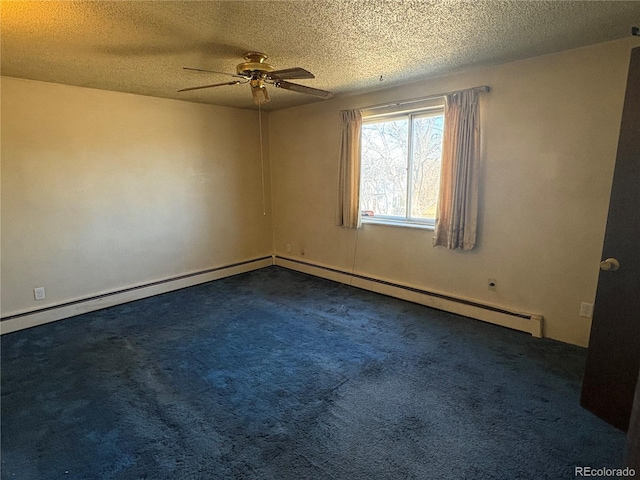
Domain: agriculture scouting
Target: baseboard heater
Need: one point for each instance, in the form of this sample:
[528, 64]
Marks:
[51, 313]
[524, 322]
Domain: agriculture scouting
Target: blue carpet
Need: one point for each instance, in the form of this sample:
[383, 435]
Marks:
[278, 375]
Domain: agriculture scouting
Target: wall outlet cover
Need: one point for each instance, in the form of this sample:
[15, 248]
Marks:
[586, 310]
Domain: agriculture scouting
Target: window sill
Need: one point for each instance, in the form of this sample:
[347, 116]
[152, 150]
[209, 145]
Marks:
[392, 223]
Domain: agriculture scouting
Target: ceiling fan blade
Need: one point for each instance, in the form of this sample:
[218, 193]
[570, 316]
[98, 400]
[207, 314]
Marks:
[235, 82]
[290, 74]
[294, 87]
[213, 71]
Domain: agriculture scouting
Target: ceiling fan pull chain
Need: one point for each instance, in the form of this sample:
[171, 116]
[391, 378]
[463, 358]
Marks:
[264, 205]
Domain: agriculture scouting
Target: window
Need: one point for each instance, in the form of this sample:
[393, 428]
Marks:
[401, 157]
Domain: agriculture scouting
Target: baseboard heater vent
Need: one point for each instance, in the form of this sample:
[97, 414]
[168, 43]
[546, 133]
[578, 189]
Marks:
[524, 322]
[51, 313]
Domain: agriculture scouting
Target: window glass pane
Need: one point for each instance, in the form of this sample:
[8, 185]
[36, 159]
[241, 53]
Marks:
[384, 168]
[427, 159]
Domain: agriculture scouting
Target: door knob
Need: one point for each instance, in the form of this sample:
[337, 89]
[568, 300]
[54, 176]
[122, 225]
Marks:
[609, 265]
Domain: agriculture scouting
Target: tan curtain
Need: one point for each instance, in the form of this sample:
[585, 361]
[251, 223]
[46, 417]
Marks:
[457, 215]
[348, 214]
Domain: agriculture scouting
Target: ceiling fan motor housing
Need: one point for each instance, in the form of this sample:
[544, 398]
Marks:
[255, 66]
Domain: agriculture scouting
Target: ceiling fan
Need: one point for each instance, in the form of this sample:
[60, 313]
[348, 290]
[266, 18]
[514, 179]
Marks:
[258, 74]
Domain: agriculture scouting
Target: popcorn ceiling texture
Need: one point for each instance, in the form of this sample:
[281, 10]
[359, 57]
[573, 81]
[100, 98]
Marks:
[140, 47]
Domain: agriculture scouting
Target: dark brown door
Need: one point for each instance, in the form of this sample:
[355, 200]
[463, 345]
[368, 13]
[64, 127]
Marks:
[613, 358]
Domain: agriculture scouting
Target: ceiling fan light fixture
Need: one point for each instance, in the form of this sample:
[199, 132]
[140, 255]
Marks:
[260, 94]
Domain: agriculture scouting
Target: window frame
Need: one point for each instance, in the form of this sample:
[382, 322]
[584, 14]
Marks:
[424, 109]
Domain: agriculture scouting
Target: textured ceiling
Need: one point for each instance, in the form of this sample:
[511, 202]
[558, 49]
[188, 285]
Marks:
[351, 46]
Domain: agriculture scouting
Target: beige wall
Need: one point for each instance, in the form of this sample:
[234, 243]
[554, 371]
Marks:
[550, 127]
[104, 190]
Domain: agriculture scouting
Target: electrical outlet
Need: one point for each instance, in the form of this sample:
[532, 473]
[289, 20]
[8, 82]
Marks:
[288, 248]
[38, 293]
[492, 284]
[586, 310]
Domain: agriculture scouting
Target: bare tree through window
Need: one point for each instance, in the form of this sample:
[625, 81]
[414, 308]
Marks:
[400, 170]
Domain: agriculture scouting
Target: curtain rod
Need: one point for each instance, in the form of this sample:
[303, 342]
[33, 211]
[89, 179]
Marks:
[482, 88]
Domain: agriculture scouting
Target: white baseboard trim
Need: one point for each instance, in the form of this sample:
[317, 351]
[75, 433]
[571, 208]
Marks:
[22, 320]
[524, 322]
